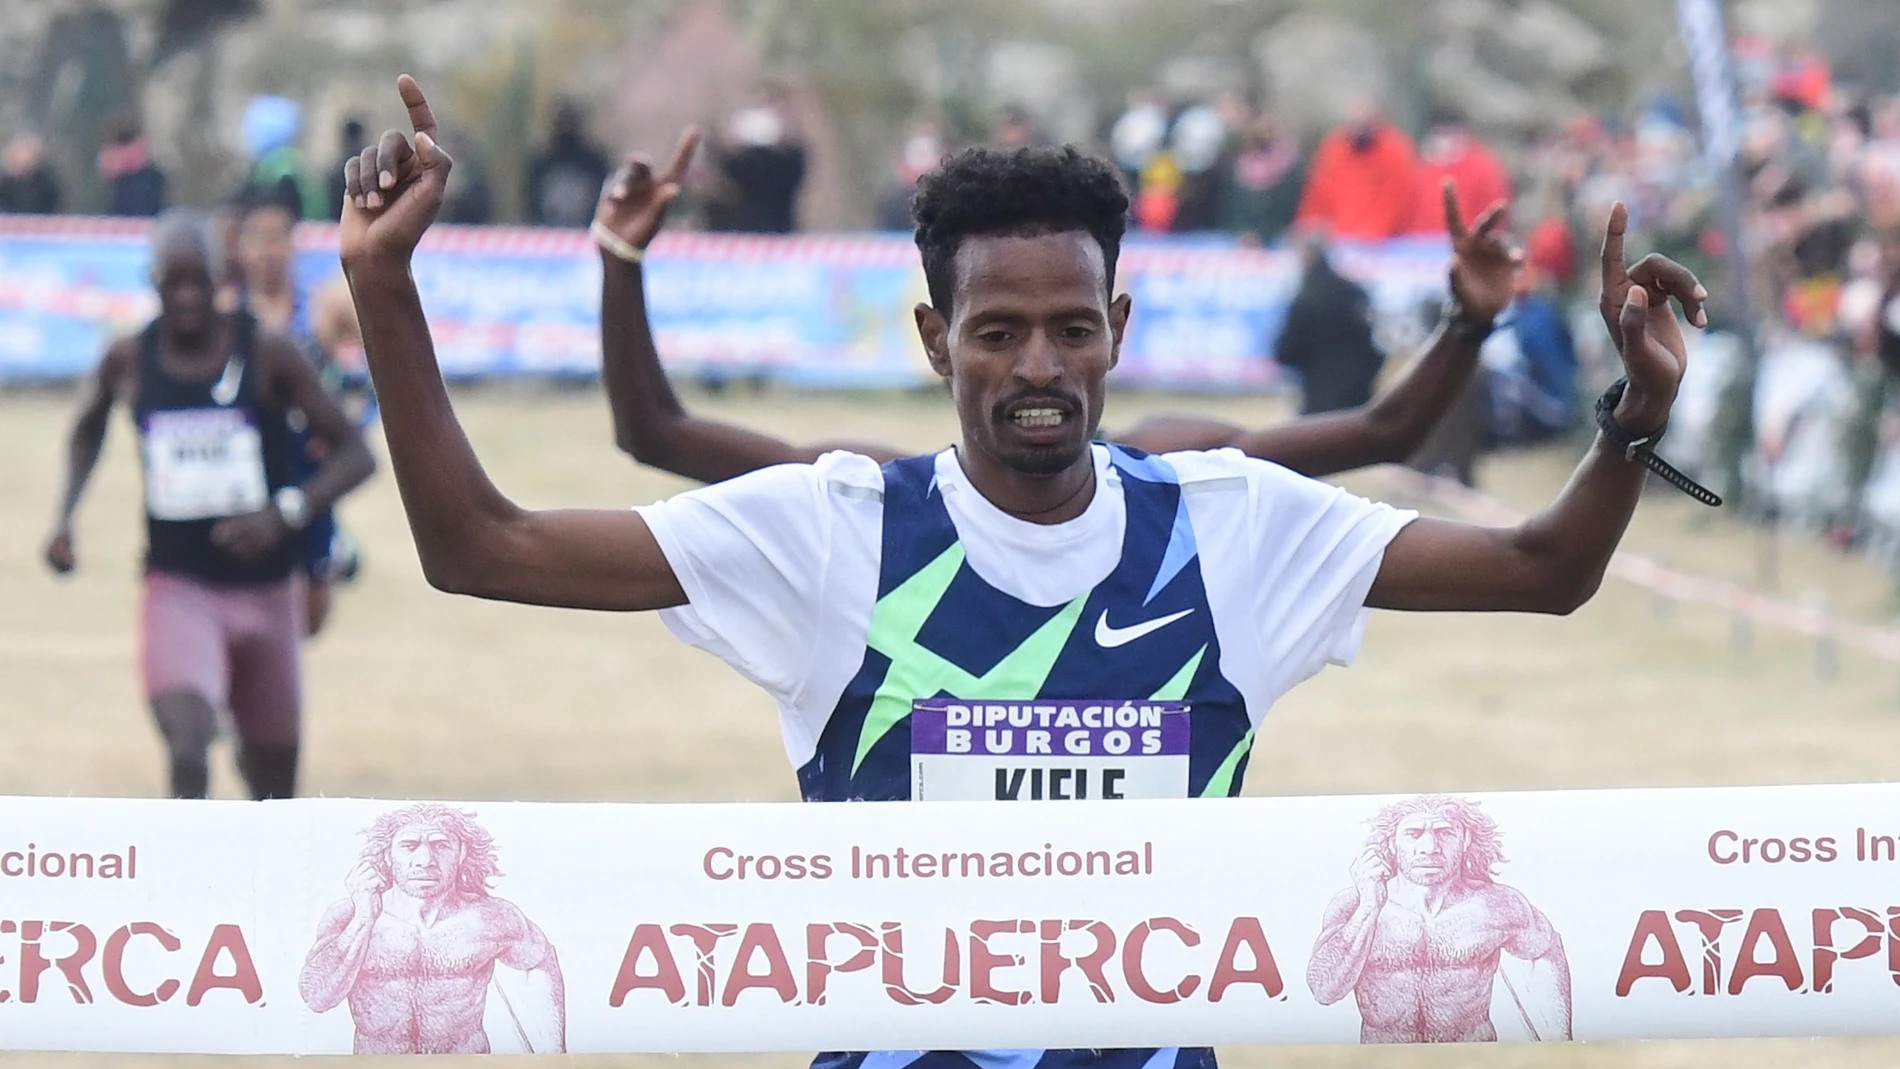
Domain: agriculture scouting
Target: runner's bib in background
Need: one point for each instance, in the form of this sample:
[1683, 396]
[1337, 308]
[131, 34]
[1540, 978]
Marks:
[202, 464]
[1047, 750]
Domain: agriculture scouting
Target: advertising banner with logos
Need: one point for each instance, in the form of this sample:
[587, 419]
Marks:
[821, 310]
[331, 926]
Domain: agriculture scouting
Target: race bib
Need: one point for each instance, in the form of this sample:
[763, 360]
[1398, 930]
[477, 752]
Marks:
[1047, 751]
[202, 464]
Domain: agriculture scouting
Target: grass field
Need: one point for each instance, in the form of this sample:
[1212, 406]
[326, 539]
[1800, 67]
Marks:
[416, 694]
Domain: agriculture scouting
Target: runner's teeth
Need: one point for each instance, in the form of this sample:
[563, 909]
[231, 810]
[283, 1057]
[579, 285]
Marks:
[1038, 417]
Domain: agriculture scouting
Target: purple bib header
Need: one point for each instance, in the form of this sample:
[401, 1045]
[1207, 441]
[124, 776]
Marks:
[1076, 728]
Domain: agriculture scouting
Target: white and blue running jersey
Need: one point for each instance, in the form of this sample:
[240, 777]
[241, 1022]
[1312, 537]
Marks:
[922, 644]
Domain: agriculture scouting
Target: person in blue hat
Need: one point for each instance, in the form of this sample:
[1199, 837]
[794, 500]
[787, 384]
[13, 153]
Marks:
[270, 129]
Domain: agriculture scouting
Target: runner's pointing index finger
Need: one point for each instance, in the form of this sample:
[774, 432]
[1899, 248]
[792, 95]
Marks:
[421, 119]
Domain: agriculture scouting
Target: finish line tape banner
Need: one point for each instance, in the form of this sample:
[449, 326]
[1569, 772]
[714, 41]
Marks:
[332, 926]
[814, 310]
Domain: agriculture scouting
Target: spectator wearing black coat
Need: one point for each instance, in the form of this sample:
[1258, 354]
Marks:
[1327, 338]
[764, 167]
[565, 180]
[28, 184]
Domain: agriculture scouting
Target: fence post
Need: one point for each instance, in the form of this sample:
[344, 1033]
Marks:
[1826, 651]
[1768, 554]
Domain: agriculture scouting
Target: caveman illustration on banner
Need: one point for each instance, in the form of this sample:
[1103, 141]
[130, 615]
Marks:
[428, 958]
[1430, 945]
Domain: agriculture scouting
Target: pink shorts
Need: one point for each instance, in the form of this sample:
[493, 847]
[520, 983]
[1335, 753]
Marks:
[236, 646]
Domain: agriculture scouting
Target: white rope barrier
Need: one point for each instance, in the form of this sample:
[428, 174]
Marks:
[1743, 602]
[331, 926]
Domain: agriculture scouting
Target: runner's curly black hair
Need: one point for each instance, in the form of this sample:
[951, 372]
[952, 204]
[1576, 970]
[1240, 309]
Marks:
[1019, 193]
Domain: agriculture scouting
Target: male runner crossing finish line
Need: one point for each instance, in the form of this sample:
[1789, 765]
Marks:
[874, 602]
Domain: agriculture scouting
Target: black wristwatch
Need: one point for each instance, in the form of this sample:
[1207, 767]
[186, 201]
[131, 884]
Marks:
[1629, 443]
[1459, 323]
[290, 505]
[1642, 448]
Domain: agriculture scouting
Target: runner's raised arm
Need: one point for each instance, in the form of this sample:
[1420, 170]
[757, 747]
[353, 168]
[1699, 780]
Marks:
[1554, 561]
[650, 424]
[470, 537]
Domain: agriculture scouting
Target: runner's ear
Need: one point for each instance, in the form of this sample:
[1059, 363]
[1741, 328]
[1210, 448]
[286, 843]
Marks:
[934, 331]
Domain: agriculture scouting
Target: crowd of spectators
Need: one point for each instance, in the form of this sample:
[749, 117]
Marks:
[1811, 440]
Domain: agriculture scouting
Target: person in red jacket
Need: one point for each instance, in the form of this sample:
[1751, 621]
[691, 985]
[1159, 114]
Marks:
[1450, 150]
[1364, 181]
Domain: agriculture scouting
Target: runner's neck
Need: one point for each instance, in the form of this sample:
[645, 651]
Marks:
[196, 355]
[1041, 499]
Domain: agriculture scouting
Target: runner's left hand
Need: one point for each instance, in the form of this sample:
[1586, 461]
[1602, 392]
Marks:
[1635, 308]
[251, 538]
[1483, 264]
[633, 203]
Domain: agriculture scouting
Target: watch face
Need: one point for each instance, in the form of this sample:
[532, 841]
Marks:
[290, 504]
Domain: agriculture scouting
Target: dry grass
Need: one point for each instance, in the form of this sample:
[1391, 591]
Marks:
[415, 694]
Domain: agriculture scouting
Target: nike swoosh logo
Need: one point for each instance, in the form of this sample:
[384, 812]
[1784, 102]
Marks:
[1110, 637]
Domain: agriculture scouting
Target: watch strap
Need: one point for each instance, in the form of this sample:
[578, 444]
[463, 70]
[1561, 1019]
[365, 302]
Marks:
[292, 506]
[1642, 448]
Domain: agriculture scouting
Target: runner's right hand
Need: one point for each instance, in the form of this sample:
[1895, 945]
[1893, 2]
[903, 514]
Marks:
[393, 190]
[633, 202]
[59, 553]
[1483, 264]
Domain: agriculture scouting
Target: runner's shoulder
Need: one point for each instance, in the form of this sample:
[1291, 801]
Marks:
[1228, 481]
[1228, 462]
[123, 350]
[847, 473]
[277, 357]
[120, 358]
[271, 345]
[834, 476]
[1226, 465]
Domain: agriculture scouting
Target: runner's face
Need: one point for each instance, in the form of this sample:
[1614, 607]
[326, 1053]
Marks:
[1429, 848]
[1029, 347]
[264, 246]
[423, 859]
[185, 289]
